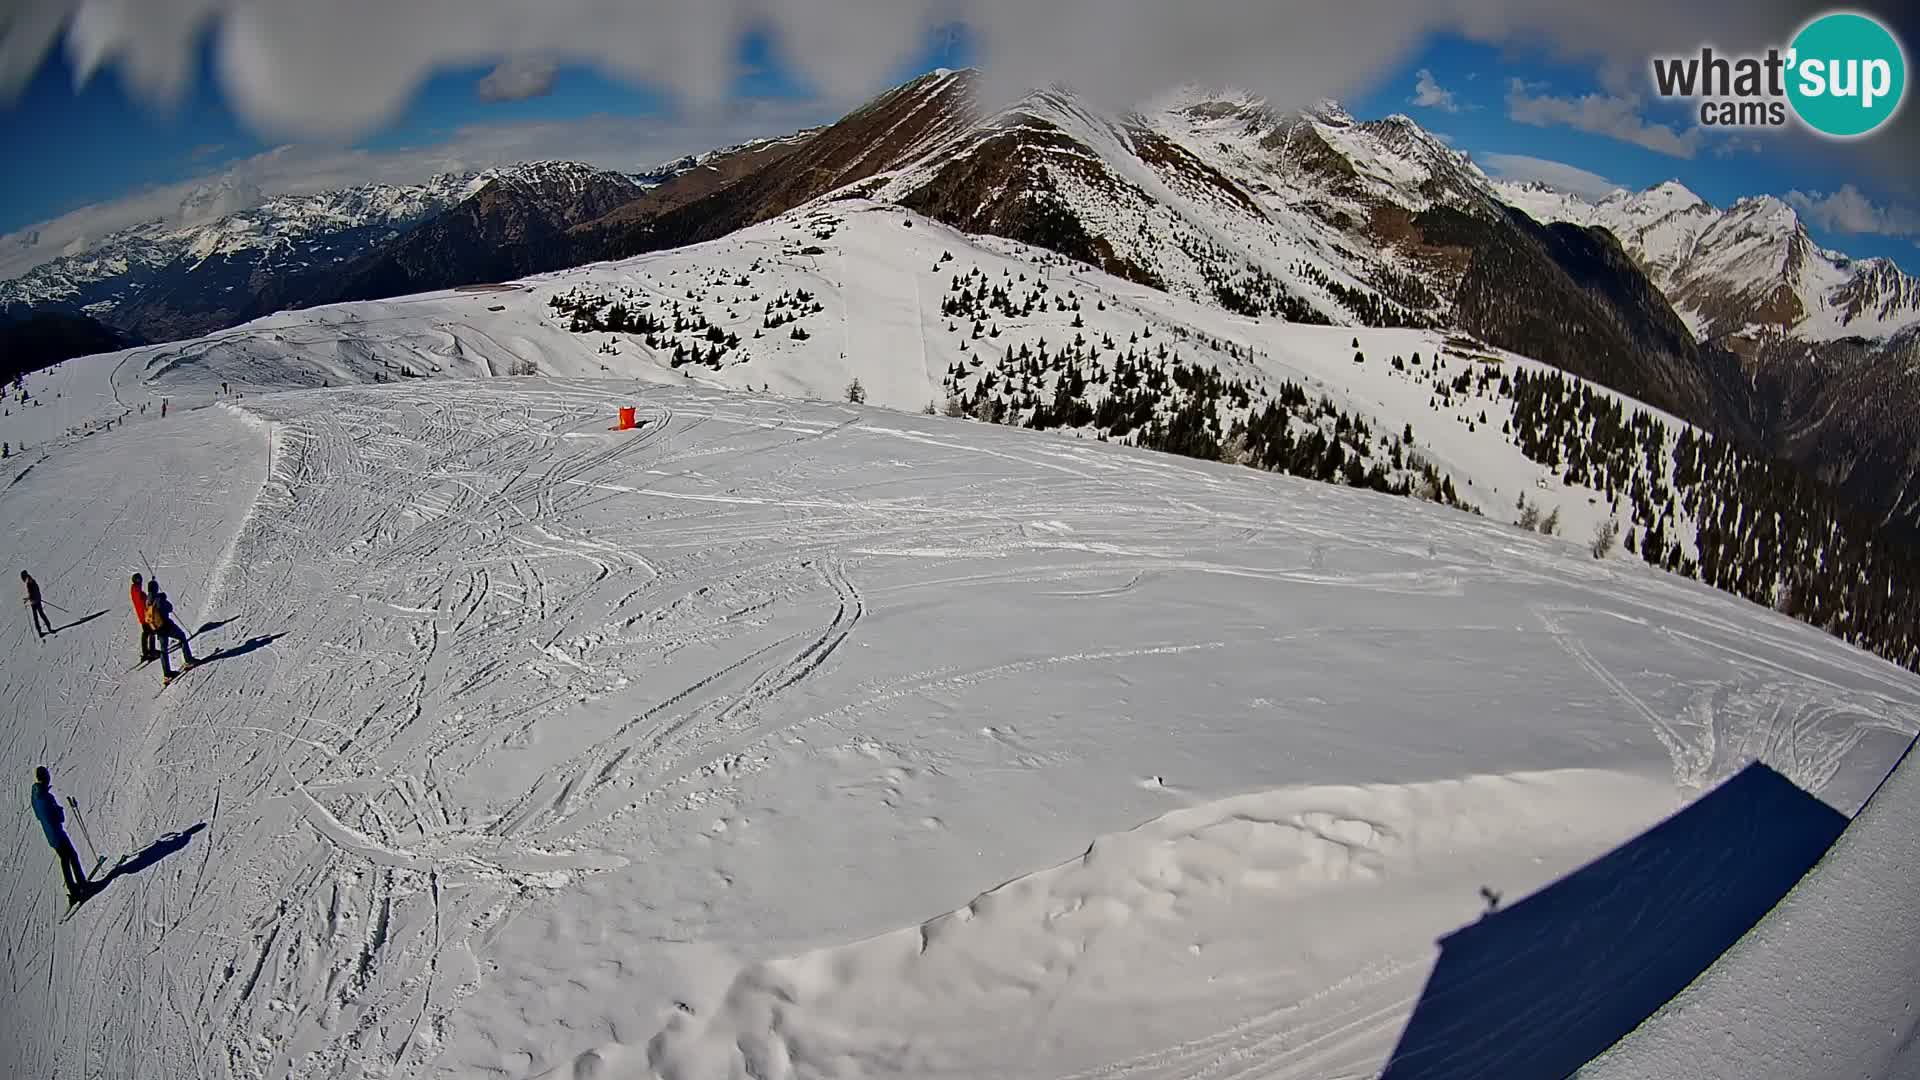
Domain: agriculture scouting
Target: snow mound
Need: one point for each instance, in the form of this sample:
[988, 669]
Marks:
[1042, 974]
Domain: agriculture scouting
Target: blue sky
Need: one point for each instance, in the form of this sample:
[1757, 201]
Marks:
[99, 142]
[1519, 112]
[1471, 99]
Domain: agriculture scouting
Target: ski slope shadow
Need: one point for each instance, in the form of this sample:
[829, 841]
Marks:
[1540, 988]
[152, 853]
[82, 621]
[260, 641]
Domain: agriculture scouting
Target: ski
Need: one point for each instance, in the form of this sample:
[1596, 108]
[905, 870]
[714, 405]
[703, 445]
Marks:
[176, 678]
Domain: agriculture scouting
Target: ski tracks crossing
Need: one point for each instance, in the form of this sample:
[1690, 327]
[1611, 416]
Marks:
[492, 643]
[444, 572]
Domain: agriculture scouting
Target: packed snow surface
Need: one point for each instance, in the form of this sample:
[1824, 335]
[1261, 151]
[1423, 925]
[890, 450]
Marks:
[783, 738]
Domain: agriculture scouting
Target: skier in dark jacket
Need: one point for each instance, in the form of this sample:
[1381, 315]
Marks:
[32, 601]
[53, 822]
[165, 630]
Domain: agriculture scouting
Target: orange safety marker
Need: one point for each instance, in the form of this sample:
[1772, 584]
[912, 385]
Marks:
[626, 419]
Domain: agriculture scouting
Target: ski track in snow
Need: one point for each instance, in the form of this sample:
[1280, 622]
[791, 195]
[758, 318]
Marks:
[546, 750]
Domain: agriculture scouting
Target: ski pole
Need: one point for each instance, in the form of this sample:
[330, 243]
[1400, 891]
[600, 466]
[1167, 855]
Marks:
[92, 851]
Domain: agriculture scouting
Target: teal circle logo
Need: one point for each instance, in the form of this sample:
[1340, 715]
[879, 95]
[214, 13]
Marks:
[1847, 76]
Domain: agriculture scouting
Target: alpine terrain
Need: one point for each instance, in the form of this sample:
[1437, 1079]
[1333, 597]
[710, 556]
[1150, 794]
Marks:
[1199, 593]
[1733, 320]
[1830, 343]
[789, 735]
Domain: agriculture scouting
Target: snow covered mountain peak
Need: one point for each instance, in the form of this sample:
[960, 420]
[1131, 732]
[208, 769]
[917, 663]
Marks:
[564, 175]
[655, 175]
[1672, 193]
[1063, 106]
[1225, 106]
[1329, 111]
[1400, 134]
[668, 171]
[1747, 271]
[1202, 99]
[1767, 211]
[231, 223]
[208, 203]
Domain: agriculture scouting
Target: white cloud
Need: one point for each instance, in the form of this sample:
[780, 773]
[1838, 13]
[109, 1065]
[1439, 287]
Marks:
[308, 70]
[1555, 174]
[1849, 211]
[611, 142]
[517, 80]
[304, 69]
[1429, 94]
[1600, 114]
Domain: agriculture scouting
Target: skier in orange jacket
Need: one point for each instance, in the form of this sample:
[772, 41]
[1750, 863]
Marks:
[138, 594]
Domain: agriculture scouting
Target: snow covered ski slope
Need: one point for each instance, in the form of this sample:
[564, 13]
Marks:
[848, 289]
[789, 739]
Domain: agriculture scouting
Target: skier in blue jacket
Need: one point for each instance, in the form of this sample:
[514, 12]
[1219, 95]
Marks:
[53, 822]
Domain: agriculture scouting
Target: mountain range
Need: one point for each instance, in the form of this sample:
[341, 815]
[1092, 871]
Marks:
[1829, 344]
[1744, 273]
[1731, 318]
[200, 271]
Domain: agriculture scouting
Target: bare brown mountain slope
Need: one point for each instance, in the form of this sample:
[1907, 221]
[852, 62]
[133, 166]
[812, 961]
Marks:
[903, 125]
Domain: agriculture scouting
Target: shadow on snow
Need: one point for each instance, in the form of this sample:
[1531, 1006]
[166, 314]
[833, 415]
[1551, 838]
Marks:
[258, 642]
[1540, 988]
[82, 621]
[149, 855]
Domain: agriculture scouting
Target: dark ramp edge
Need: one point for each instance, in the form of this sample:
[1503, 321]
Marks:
[1538, 989]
